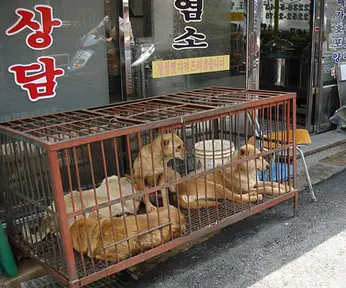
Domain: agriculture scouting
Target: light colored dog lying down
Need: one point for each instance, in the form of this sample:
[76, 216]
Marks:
[89, 236]
[238, 183]
[88, 200]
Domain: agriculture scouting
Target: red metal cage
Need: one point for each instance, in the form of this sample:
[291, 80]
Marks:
[50, 164]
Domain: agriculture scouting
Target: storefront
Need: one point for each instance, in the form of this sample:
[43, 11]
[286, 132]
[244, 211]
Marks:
[66, 54]
[302, 51]
[63, 54]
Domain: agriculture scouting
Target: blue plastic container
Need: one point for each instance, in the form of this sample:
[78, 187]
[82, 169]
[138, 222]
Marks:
[281, 172]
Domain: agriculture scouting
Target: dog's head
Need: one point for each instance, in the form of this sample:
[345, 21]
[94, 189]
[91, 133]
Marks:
[173, 146]
[247, 151]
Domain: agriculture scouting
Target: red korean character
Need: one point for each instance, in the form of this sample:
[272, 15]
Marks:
[173, 67]
[38, 79]
[166, 71]
[186, 68]
[193, 65]
[211, 64]
[216, 63]
[199, 65]
[222, 63]
[205, 64]
[180, 69]
[41, 36]
[159, 67]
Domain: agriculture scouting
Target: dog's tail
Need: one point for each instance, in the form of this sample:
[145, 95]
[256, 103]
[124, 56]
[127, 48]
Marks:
[193, 203]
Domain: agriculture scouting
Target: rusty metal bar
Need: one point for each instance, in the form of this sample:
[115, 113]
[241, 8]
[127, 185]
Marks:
[61, 214]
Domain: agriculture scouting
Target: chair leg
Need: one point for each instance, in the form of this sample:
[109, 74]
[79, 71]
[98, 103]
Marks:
[313, 197]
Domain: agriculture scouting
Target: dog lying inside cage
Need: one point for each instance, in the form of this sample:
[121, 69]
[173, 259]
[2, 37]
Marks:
[77, 201]
[112, 188]
[118, 238]
[238, 183]
[135, 233]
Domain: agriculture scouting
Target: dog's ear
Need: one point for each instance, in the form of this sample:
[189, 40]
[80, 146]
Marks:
[242, 152]
[113, 178]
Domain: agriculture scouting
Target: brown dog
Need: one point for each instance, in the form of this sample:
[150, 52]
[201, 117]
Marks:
[88, 238]
[238, 183]
[152, 161]
[243, 178]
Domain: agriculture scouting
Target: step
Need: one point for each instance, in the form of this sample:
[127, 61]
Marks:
[325, 157]
[28, 270]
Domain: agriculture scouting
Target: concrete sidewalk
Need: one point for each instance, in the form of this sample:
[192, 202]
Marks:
[272, 249]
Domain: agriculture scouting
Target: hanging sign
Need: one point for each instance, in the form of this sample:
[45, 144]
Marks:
[37, 79]
[191, 11]
[178, 67]
[338, 32]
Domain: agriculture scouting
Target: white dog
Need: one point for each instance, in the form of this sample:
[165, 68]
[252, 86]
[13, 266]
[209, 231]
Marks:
[88, 200]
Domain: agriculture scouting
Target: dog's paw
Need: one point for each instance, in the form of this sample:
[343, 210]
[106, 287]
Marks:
[260, 197]
[285, 189]
[254, 197]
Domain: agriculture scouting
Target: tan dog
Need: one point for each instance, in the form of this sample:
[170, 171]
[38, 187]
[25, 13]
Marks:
[238, 183]
[88, 200]
[152, 161]
[243, 178]
[87, 232]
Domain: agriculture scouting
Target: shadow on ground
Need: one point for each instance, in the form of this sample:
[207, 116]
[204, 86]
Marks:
[244, 253]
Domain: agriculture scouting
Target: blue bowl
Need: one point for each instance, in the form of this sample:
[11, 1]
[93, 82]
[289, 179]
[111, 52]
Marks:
[280, 172]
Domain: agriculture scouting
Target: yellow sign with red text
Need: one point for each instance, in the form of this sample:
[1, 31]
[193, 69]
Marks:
[178, 67]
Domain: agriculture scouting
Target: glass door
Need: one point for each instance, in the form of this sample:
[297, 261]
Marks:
[173, 46]
[330, 51]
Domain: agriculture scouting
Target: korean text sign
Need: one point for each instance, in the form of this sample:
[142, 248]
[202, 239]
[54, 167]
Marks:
[38, 79]
[191, 12]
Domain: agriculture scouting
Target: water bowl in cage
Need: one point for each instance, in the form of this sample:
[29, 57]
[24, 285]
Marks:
[210, 151]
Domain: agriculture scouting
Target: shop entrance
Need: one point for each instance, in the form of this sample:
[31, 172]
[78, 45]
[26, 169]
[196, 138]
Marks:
[292, 59]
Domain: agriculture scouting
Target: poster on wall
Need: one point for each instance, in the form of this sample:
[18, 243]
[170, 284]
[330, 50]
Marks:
[38, 79]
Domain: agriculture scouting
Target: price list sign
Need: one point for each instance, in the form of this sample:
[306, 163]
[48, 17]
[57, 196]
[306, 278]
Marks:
[293, 14]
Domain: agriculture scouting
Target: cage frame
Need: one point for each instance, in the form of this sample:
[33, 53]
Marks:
[207, 112]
